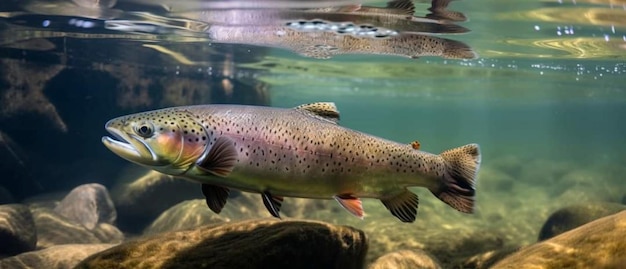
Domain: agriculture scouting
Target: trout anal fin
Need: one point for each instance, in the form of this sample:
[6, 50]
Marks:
[351, 203]
[272, 203]
[403, 206]
[220, 158]
[322, 110]
[215, 197]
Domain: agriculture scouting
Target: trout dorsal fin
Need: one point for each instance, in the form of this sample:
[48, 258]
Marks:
[322, 110]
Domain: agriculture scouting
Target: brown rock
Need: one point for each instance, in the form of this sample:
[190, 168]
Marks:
[143, 195]
[599, 244]
[261, 243]
[185, 215]
[53, 229]
[17, 229]
[574, 216]
[487, 259]
[88, 205]
[57, 257]
[406, 259]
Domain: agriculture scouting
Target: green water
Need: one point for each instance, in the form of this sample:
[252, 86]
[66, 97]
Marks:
[545, 99]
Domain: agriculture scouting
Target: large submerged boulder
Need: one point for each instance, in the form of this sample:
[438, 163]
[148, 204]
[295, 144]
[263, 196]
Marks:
[598, 244]
[17, 229]
[57, 257]
[406, 259]
[570, 217]
[260, 243]
[88, 205]
[54, 229]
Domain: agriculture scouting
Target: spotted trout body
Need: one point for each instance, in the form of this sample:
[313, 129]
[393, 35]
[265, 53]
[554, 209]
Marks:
[297, 152]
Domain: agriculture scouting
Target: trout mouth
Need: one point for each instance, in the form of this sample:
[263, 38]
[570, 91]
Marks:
[129, 147]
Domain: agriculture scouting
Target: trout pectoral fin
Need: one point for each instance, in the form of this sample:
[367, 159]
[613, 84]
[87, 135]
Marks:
[403, 206]
[220, 158]
[215, 197]
[352, 204]
[272, 203]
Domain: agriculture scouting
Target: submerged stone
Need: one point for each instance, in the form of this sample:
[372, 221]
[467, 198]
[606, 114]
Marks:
[57, 257]
[146, 195]
[88, 205]
[17, 230]
[54, 229]
[574, 216]
[406, 259]
[261, 243]
[185, 215]
[598, 244]
[487, 259]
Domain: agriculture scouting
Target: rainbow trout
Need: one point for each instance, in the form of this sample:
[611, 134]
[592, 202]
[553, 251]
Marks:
[291, 152]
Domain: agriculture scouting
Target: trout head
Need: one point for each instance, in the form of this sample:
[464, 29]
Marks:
[168, 140]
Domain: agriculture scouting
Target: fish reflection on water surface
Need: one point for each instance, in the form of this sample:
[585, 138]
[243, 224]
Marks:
[297, 152]
[318, 32]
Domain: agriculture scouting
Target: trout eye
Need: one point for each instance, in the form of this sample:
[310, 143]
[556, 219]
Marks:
[144, 130]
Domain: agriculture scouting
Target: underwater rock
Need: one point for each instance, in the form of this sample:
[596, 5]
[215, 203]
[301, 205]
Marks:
[574, 216]
[598, 244]
[88, 205]
[108, 233]
[185, 215]
[406, 259]
[141, 199]
[449, 244]
[57, 257]
[17, 229]
[54, 229]
[260, 243]
[194, 213]
[487, 259]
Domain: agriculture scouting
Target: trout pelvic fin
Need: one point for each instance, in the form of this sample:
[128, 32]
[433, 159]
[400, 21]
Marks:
[459, 180]
[219, 159]
[272, 203]
[215, 197]
[322, 110]
[403, 206]
[351, 203]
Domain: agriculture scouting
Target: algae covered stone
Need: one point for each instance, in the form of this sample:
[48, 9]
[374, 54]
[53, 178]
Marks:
[57, 257]
[17, 229]
[54, 229]
[598, 244]
[261, 243]
[573, 216]
[406, 259]
[88, 205]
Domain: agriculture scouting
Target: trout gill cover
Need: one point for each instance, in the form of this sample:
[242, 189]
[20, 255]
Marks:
[291, 152]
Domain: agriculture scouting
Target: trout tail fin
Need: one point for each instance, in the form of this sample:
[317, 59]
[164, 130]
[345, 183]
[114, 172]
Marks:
[459, 179]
